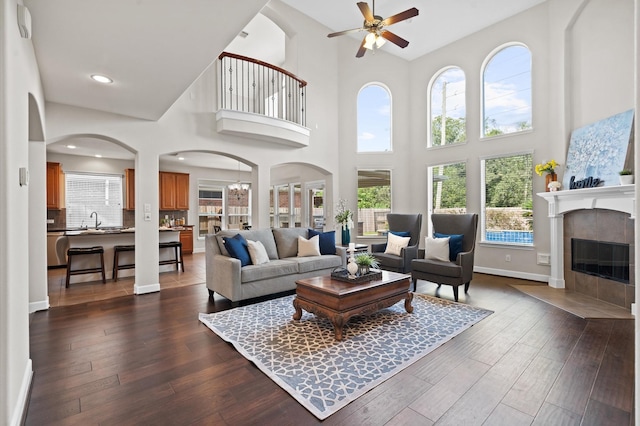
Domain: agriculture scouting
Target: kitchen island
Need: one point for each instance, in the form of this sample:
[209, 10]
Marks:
[108, 238]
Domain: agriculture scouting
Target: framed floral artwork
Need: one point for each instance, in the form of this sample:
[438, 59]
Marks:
[598, 151]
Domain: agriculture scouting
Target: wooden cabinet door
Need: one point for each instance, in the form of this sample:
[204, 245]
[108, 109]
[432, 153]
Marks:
[53, 185]
[186, 238]
[167, 191]
[130, 185]
[182, 191]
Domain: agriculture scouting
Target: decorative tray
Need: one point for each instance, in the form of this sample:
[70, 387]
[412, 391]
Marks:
[341, 274]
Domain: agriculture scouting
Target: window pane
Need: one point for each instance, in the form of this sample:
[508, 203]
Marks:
[448, 100]
[88, 193]
[374, 201]
[283, 206]
[449, 188]
[508, 199]
[374, 119]
[239, 208]
[507, 92]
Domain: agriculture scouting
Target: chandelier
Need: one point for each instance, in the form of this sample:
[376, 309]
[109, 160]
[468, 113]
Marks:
[238, 187]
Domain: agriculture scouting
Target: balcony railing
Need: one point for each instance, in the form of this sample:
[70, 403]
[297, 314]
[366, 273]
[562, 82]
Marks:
[253, 86]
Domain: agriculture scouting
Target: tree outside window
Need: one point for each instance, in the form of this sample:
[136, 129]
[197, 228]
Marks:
[448, 108]
[507, 199]
[374, 202]
[448, 188]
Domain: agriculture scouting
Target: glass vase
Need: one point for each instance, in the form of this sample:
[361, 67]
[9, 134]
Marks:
[346, 235]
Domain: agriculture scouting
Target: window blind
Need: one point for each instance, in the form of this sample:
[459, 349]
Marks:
[87, 193]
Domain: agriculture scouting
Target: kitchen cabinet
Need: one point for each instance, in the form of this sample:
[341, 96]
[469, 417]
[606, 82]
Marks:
[174, 191]
[186, 238]
[55, 186]
[130, 185]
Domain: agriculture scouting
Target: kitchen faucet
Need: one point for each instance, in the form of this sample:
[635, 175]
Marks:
[97, 223]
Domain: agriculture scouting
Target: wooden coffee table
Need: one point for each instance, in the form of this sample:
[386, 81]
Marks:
[339, 300]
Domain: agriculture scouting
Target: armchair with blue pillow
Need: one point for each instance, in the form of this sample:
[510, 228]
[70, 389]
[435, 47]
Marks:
[402, 243]
[448, 256]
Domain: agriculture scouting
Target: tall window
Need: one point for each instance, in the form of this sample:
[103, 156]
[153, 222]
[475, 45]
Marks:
[507, 199]
[448, 108]
[507, 91]
[210, 209]
[238, 207]
[374, 119]
[88, 193]
[448, 188]
[374, 201]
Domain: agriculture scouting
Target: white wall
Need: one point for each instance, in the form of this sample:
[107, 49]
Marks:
[19, 77]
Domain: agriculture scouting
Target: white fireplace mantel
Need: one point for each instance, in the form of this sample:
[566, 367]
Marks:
[619, 198]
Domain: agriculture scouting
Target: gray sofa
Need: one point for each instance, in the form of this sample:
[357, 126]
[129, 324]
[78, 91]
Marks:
[227, 277]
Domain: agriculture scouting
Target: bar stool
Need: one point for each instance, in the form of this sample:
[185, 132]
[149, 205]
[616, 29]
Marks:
[81, 251]
[116, 264]
[177, 246]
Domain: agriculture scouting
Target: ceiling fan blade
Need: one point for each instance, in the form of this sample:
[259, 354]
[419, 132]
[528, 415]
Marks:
[366, 12]
[395, 39]
[339, 33]
[362, 49]
[409, 13]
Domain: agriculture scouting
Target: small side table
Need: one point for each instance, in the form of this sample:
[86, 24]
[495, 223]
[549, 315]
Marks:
[360, 248]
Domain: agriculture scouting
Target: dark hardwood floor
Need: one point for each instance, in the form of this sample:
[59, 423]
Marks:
[147, 360]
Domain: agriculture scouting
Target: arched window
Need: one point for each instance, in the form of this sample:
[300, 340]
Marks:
[506, 100]
[448, 108]
[374, 119]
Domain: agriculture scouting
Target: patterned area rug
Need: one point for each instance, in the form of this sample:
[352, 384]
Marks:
[323, 374]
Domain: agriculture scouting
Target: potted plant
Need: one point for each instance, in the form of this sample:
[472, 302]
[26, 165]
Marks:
[548, 168]
[626, 177]
[344, 217]
[365, 261]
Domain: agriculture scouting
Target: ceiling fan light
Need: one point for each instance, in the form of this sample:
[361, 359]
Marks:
[380, 41]
[369, 40]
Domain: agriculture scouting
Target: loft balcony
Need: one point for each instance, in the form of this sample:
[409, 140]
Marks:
[261, 101]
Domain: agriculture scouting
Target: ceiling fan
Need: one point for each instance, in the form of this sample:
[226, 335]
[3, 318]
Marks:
[375, 26]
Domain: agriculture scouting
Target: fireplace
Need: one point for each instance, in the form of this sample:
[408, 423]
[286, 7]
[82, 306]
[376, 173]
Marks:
[596, 214]
[601, 258]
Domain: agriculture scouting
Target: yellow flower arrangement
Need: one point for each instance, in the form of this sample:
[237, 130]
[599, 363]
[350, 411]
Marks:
[548, 167]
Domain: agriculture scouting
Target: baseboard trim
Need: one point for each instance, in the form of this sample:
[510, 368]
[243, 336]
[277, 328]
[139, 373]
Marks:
[198, 250]
[20, 410]
[512, 274]
[42, 305]
[144, 289]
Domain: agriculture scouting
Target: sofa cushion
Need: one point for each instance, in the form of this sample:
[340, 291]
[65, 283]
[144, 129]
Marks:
[327, 241]
[310, 247]
[237, 247]
[286, 240]
[257, 252]
[273, 269]
[316, 263]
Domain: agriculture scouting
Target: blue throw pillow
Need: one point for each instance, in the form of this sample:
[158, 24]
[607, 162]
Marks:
[327, 241]
[455, 244]
[401, 233]
[237, 247]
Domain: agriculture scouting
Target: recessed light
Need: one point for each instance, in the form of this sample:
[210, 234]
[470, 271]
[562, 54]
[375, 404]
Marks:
[181, 158]
[98, 156]
[101, 78]
[71, 146]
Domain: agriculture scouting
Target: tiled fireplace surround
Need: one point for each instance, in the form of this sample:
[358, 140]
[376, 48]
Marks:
[601, 214]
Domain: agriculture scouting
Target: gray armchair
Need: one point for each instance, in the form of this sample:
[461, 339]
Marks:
[411, 223]
[458, 271]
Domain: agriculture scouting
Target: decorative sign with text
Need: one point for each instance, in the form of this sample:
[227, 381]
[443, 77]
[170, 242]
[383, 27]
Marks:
[589, 182]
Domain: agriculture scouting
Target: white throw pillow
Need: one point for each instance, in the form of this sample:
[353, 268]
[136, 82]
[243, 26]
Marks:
[436, 249]
[396, 243]
[310, 247]
[257, 252]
